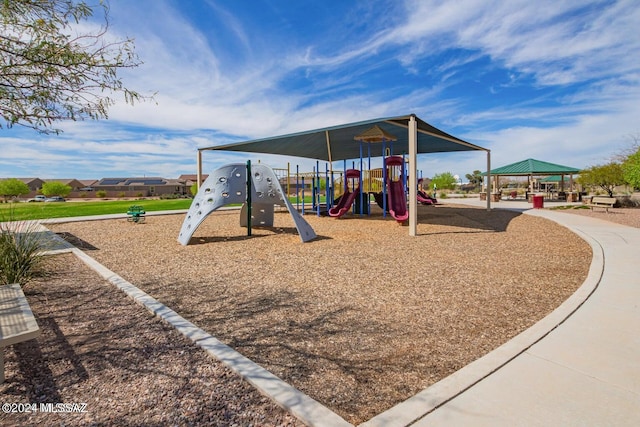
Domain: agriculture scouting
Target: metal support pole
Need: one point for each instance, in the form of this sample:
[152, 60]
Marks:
[302, 195]
[488, 180]
[384, 180]
[288, 179]
[317, 196]
[360, 183]
[199, 169]
[413, 172]
[248, 198]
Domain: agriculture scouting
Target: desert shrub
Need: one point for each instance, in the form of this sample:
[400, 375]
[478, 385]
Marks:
[121, 194]
[627, 202]
[101, 194]
[170, 196]
[21, 249]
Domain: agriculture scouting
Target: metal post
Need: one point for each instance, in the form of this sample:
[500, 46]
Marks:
[248, 198]
[288, 180]
[199, 170]
[413, 171]
[360, 183]
[317, 202]
[384, 180]
[297, 187]
[488, 180]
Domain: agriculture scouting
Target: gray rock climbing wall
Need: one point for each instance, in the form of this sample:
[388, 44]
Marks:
[228, 185]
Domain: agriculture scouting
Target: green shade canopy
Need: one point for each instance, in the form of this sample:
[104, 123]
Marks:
[533, 167]
[337, 142]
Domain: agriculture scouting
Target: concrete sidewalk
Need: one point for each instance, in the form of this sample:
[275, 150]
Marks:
[584, 371]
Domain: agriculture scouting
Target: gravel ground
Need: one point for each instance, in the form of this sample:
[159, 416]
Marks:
[624, 216]
[360, 319]
[100, 348]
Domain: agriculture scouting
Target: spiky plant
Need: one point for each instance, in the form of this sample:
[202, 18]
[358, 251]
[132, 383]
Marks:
[21, 251]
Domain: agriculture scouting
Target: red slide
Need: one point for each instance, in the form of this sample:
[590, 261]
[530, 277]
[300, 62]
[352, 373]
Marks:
[395, 189]
[346, 200]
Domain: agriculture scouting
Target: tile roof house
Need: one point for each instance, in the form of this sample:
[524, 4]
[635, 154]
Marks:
[34, 184]
[191, 179]
[75, 184]
[141, 186]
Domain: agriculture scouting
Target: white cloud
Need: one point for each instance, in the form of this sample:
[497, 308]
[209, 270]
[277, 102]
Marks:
[207, 95]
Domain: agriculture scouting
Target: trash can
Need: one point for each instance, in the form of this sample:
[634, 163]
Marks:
[538, 201]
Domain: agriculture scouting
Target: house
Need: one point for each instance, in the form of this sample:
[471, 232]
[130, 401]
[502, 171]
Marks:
[34, 184]
[191, 179]
[75, 184]
[141, 187]
[87, 183]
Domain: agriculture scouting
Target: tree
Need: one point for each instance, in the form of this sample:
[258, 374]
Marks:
[631, 169]
[606, 177]
[13, 187]
[444, 181]
[54, 188]
[49, 72]
[476, 178]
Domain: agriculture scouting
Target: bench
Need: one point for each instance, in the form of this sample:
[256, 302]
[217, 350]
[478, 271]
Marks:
[17, 323]
[136, 214]
[602, 202]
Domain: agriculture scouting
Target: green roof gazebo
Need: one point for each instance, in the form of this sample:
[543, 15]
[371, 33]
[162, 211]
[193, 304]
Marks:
[532, 168]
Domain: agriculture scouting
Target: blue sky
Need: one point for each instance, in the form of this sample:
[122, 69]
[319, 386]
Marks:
[554, 80]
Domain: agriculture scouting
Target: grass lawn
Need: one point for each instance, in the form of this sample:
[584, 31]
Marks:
[40, 210]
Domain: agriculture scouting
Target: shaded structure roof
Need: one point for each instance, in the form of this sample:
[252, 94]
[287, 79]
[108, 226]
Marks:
[534, 167]
[337, 142]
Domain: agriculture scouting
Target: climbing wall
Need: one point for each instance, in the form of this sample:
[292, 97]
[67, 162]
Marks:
[228, 185]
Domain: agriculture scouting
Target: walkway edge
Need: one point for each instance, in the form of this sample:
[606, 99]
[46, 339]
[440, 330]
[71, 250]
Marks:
[303, 407]
[436, 395]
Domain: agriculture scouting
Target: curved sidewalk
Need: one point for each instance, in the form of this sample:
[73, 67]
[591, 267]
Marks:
[585, 371]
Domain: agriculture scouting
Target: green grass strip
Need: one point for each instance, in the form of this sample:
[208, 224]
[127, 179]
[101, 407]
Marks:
[42, 210]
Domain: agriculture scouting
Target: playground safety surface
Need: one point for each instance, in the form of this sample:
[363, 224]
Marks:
[365, 316]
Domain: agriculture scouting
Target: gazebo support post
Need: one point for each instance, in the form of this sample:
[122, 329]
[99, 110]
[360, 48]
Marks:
[413, 172]
[488, 189]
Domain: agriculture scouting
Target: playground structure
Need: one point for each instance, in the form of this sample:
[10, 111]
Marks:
[423, 197]
[396, 195]
[408, 135]
[234, 184]
[348, 196]
[388, 184]
[336, 192]
[257, 189]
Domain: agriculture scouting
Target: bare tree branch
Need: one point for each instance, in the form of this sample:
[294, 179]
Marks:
[49, 73]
